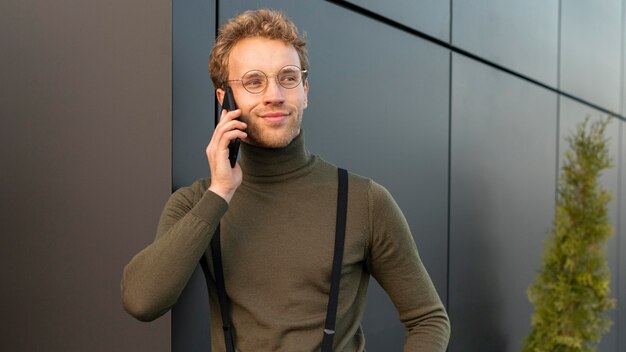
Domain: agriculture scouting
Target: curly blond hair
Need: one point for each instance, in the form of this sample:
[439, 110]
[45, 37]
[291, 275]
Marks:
[263, 23]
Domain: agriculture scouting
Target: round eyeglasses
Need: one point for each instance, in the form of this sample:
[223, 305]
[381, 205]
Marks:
[255, 81]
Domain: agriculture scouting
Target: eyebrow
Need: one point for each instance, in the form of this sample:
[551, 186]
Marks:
[254, 73]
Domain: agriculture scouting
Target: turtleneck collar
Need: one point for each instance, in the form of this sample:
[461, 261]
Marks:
[276, 164]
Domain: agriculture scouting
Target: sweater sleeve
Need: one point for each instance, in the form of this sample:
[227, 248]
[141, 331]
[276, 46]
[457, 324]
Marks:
[154, 279]
[395, 264]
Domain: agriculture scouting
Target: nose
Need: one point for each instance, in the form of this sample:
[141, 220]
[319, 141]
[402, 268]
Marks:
[273, 93]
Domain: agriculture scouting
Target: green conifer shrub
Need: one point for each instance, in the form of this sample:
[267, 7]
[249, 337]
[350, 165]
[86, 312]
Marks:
[571, 293]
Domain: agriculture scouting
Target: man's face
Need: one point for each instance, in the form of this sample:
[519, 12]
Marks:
[274, 116]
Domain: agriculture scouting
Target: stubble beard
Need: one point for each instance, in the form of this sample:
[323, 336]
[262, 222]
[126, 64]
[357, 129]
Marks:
[268, 136]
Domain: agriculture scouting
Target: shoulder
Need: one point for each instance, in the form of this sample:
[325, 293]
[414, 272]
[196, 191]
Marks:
[379, 200]
[366, 191]
[357, 183]
[375, 192]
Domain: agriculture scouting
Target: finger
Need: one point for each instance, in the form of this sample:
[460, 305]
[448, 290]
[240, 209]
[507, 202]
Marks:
[229, 115]
[223, 134]
[228, 121]
[227, 124]
[219, 144]
[231, 125]
[229, 136]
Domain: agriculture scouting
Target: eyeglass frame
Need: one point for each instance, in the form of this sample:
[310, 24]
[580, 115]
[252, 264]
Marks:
[303, 77]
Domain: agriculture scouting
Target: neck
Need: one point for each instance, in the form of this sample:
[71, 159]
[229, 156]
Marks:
[275, 163]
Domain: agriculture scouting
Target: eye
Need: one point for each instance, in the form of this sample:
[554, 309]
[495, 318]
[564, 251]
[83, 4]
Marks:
[254, 80]
[253, 83]
[289, 77]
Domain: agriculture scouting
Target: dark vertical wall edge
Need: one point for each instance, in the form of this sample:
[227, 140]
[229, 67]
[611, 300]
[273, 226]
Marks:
[619, 323]
[450, 93]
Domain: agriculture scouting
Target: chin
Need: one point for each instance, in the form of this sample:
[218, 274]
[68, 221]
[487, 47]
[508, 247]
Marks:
[273, 140]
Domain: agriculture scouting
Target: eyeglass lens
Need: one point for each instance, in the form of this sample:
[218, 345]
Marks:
[255, 81]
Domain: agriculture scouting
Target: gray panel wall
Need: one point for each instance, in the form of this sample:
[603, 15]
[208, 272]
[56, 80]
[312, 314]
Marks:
[621, 198]
[503, 156]
[621, 260]
[591, 37]
[519, 35]
[429, 16]
[479, 157]
[85, 150]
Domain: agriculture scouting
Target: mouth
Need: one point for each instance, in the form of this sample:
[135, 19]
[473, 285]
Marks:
[275, 117]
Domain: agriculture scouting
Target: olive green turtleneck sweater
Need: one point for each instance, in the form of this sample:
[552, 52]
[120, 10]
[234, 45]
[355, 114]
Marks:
[277, 247]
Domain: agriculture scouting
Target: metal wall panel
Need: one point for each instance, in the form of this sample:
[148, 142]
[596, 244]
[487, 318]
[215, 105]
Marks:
[591, 51]
[193, 94]
[621, 261]
[623, 59]
[503, 157]
[572, 113]
[193, 109]
[519, 35]
[620, 273]
[429, 16]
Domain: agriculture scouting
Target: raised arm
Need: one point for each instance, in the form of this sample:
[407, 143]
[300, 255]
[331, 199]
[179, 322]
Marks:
[154, 279]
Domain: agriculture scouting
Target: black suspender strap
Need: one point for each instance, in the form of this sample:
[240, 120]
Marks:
[216, 253]
[333, 298]
[340, 232]
[225, 320]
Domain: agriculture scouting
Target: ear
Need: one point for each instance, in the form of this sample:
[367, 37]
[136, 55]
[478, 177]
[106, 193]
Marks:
[219, 93]
[305, 84]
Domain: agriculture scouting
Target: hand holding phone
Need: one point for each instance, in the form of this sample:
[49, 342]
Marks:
[233, 146]
[225, 179]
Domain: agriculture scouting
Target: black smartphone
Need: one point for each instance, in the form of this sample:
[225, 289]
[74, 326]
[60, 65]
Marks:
[233, 146]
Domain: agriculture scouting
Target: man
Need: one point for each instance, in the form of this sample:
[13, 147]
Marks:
[277, 211]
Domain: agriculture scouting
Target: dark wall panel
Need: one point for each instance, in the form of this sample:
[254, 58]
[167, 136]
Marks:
[623, 59]
[571, 114]
[619, 275]
[429, 16]
[503, 157]
[591, 50]
[85, 148]
[193, 97]
[520, 35]
[193, 113]
[191, 326]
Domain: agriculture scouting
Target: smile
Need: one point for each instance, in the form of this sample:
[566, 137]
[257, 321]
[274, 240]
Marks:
[275, 117]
